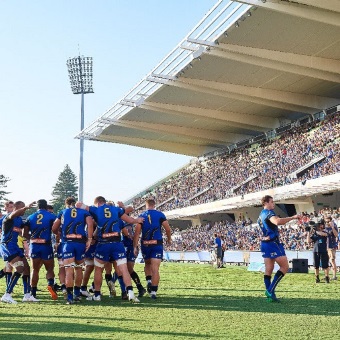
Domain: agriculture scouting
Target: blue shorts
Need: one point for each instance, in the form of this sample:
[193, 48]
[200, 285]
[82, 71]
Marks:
[91, 251]
[272, 250]
[60, 251]
[110, 252]
[152, 252]
[41, 251]
[74, 249]
[130, 254]
[9, 251]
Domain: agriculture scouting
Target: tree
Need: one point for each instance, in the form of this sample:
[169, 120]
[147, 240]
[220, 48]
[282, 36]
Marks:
[66, 186]
[3, 184]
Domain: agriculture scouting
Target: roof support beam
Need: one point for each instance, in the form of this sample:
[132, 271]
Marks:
[280, 99]
[298, 10]
[310, 66]
[179, 148]
[208, 136]
[330, 5]
[234, 119]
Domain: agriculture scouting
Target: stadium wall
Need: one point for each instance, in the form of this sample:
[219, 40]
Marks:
[232, 256]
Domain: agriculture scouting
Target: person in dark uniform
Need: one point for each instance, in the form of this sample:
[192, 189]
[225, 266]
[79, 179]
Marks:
[319, 236]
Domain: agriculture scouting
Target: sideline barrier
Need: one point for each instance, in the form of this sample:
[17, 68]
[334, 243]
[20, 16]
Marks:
[232, 256]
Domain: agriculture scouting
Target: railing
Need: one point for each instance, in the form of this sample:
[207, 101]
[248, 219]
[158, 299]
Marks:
[215, 23]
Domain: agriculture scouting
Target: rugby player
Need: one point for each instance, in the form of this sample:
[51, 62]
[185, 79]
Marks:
[271, 247]
[11, 228]
[89, 267]
[58, 247]
[152, 243]
[76, 240]
[7, 271]
[131, 258]
[38, 230]
[109, 247]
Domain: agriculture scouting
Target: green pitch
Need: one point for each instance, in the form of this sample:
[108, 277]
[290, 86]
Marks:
[195, 302]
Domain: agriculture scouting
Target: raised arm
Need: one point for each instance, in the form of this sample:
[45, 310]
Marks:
[282, 220]
[20, 211]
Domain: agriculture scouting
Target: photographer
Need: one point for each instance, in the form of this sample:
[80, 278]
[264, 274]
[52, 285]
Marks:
[318, 235]
[332, 242]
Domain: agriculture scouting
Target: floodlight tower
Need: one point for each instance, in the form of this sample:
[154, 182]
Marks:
[81, 76]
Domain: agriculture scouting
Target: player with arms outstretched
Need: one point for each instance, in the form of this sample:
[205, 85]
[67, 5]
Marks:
[271, 247]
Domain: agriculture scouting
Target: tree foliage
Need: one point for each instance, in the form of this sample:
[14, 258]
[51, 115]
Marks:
[3, 193]
[66, 186]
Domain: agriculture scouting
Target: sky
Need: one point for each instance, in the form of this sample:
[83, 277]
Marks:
[39, 115]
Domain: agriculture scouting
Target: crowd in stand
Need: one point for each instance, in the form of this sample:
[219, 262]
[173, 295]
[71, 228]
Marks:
[269, 164]
[243, 235]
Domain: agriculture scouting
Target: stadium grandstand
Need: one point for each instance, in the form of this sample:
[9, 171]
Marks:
[253, 94]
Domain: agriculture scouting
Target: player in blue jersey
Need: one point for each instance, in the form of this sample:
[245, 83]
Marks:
[152, 243]
[11, 228]
[76, 229]
[131, 258]
[38, 230]
[271, 247]
[89, 267]
[7, 271]
[109, 247]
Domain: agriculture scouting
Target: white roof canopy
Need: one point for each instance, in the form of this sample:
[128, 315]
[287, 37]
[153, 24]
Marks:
[246, 68]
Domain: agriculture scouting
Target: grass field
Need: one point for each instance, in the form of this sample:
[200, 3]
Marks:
[195, 302]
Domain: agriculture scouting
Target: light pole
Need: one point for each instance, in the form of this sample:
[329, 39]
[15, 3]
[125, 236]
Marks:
[81, 76]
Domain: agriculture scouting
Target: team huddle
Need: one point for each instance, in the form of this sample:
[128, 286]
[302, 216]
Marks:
[97, 238]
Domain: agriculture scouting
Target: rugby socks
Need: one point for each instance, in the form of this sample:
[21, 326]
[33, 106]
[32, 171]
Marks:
[148, 279]
[277, 278]
[8, 278]
[14, 279]
[50, 282]
[153, 292]
[69, 293]
[63, 286]
[121, 283]
[34, 291]
[267, 279]
[26, 284]
[2, 273]
[97, 293]
[148, 283]
[129, 288]
[83, 288]
[136, 280]
[114, 277]
[76, 291]
[108, 277]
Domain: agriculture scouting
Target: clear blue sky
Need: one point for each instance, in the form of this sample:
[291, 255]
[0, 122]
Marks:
[40, 116]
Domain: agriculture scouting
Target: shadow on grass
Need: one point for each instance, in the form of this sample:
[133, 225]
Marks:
[310, 306]
[62, 331]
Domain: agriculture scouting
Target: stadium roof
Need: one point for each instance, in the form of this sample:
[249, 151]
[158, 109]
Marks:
[246, 68]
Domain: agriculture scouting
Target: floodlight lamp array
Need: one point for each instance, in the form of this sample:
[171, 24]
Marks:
[80, 70]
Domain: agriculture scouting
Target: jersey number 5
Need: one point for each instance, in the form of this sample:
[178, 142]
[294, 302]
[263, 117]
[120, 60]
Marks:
[107, 213]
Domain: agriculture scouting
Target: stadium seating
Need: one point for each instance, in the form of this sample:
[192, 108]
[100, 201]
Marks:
[303, 152]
